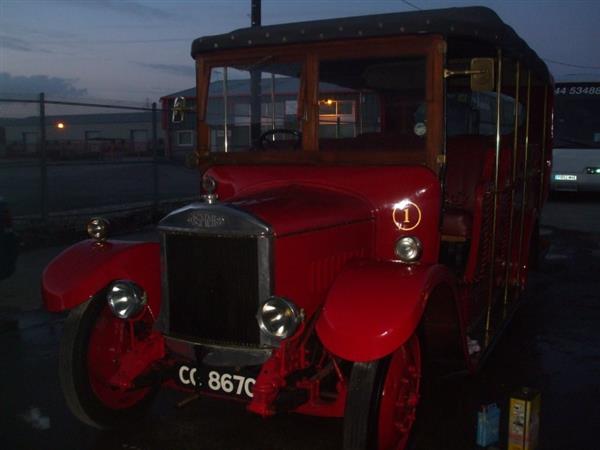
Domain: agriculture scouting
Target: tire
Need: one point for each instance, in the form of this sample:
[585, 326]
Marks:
[382, 400]
[93, 338]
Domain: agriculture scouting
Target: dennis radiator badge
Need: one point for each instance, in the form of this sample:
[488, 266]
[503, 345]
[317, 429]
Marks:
[204, 219]
[406, 215]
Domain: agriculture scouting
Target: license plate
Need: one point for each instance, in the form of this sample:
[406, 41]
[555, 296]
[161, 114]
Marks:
[217, 381]
[565, 177]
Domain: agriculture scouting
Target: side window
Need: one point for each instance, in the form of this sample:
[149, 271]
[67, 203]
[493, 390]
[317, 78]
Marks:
[474, 113]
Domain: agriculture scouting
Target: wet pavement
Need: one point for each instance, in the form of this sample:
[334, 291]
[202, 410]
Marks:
[552, 344]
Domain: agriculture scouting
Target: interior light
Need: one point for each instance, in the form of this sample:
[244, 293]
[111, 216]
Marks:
[60, 125]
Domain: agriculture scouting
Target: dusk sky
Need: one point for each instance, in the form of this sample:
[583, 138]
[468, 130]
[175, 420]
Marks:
[137, 51]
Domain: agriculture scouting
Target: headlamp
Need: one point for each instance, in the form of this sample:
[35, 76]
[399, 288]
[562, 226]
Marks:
[279, 317]
[408, 249]
[126, 299]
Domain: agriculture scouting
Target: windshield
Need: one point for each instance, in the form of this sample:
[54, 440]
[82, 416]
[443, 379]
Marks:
[577, 116]
[254, 105]
[372, 104]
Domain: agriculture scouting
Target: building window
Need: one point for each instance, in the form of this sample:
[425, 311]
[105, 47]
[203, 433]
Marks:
[185, 138]
[337, 118]
[92, 134]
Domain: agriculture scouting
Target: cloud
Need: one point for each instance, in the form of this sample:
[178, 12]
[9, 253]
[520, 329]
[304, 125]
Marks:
[15, 44]
[129, 7]
[184, 70]
[19, 86]
[21, 45]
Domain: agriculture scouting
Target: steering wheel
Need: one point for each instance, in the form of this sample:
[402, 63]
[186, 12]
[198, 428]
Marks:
[264, 143]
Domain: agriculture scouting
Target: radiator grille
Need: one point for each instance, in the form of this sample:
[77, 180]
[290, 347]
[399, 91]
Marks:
[213, 288]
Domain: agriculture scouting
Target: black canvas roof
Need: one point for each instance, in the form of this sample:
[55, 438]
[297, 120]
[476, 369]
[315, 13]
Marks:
[478, 23]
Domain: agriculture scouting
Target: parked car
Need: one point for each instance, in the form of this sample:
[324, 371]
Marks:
[372, 186]
[8, 242]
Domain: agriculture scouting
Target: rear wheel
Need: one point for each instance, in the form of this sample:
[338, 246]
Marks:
[93, 343]
[382, 400]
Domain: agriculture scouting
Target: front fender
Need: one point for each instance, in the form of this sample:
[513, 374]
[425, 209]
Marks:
[374, 307]
[87, 267]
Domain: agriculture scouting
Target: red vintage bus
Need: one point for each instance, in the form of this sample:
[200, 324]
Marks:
[371, 194]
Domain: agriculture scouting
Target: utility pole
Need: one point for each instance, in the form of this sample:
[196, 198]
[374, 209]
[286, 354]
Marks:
[256, 14]
[255, 83]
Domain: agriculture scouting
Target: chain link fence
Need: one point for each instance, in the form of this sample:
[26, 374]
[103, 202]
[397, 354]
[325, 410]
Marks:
[62, 162]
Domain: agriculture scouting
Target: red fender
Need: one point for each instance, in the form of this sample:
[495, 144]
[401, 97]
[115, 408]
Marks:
[87, 267]
[374, 307]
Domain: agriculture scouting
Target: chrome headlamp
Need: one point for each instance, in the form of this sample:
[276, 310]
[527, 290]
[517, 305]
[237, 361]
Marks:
[279, 317]
[408, 249]
[126, 299]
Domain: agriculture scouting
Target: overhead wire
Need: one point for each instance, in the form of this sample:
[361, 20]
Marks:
[411, 5]
[578, 66]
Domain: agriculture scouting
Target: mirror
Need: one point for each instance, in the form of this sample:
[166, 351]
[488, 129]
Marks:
[482, 74]
[178, 113]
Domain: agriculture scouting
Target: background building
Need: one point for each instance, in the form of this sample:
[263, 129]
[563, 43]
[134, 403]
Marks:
[82, 135]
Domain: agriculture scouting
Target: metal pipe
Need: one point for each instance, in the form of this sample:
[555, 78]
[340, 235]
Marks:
[43, 161]
[273, 103]
[495, 208]
[360, 112]
[525, 163]
[99, 105]
[513, 182]
[154, 160]
[337, 120]
[544, 149]
[225, 112]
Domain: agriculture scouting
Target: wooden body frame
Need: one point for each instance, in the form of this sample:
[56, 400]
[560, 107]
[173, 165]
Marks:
[431, 47]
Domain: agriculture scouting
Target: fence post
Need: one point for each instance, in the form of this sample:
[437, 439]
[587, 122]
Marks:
[154, 162]
[43, 162]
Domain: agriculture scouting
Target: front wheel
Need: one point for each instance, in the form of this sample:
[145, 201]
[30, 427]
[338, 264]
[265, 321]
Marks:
[382, 400]
[92, 344]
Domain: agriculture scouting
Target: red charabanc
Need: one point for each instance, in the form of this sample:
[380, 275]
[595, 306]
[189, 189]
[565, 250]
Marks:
[372, 188]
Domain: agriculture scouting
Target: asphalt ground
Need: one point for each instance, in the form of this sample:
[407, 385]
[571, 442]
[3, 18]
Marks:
[552, 344]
